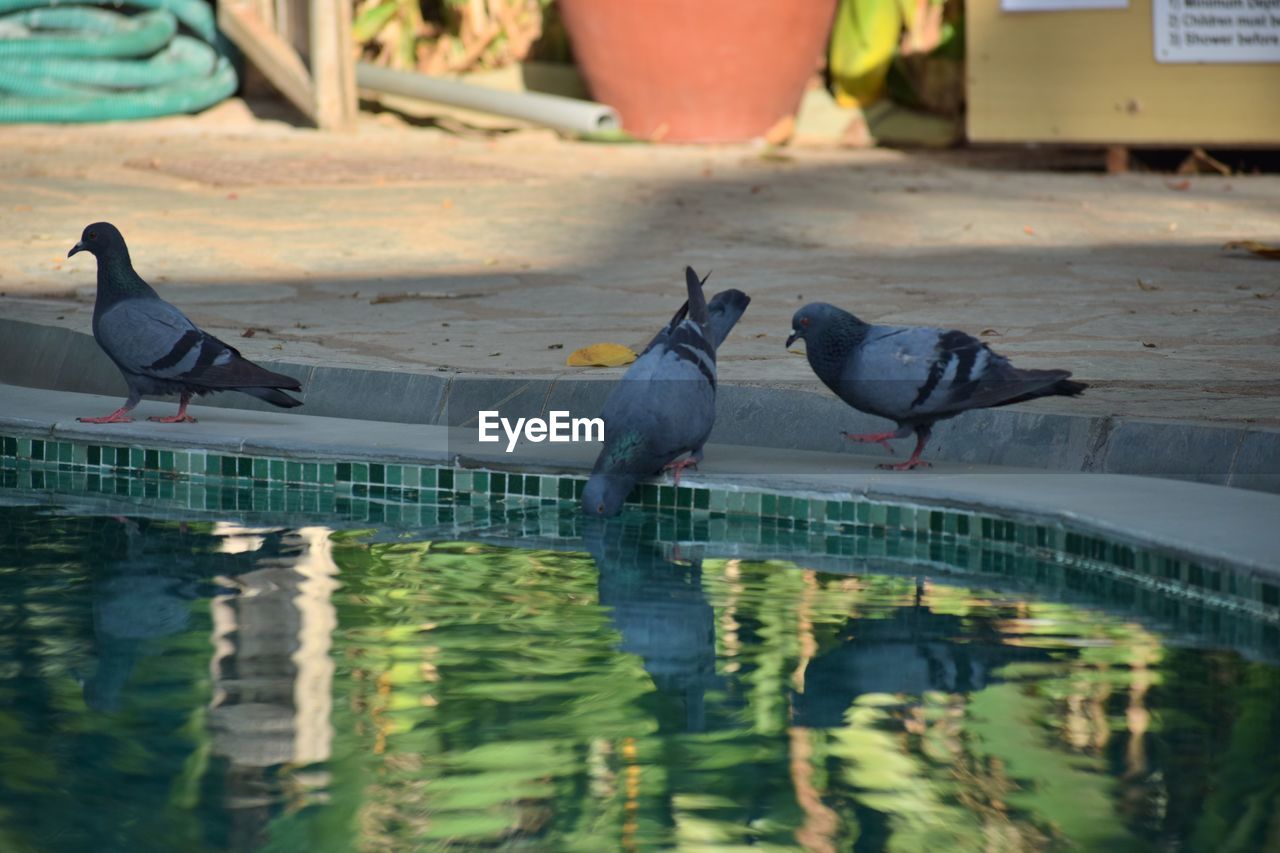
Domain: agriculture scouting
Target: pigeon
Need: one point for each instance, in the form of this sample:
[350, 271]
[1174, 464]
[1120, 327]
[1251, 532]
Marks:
[156, 347]
[665, 404]
[914, 375]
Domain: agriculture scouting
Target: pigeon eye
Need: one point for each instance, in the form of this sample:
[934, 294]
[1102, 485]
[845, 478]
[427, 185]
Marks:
[93, 235]
[600, 508]
[804, 321]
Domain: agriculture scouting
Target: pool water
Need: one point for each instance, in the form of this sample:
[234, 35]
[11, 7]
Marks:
[200, 685]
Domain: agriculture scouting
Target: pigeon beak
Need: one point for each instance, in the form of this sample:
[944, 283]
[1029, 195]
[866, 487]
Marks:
[791, 340]
[78, 247]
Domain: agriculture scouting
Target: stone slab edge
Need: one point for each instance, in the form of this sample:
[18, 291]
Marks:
[55, 358]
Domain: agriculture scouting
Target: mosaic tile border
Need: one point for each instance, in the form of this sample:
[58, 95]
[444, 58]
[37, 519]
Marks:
[426, 495]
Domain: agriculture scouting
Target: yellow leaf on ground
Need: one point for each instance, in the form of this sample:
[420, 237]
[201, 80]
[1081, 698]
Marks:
[601, 355]
[1266, 251]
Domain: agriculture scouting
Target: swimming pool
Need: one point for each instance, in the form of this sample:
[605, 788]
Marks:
[231, 666]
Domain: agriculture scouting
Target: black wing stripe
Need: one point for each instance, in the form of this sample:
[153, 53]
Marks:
[936, 370]
[208, 352]
[180, 351]
[684, 353]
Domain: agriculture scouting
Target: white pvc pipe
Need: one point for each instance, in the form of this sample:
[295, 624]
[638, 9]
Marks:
[567, 114]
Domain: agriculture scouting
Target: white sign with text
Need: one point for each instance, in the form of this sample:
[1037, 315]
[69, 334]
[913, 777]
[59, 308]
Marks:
[1220, 31]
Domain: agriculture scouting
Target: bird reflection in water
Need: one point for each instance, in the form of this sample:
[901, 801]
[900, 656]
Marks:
[660, 610]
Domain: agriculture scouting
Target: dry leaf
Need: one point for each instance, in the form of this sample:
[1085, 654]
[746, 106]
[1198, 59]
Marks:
[248, 333]
[988, 333]
[601, 355]
[1142, 285]
[556, 346]
[1263, 250]
[1148, 345]
[1029, 231]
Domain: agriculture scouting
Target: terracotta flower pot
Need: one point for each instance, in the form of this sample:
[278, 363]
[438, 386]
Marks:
[698, 70]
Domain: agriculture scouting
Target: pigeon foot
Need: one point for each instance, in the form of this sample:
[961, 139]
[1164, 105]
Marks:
[116, 417]
[880, 438]
[173, 419]
[677, 467]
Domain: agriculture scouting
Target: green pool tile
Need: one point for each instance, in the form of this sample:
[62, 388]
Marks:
[360, 472]
[377, 474]
[964, 524]
[702, 499]
[261, 468]
[409, 475]
[276, 468]
[66, 451]
[565, 489]
[462, 481]
[427, 477]
[684, 497]
[547, 487]
[342, 472]
[150, 459]
[579, 486]
[310, 472]
[395, 475]
[768, 505]
[444, 478]
[751, 502]
[293, 471]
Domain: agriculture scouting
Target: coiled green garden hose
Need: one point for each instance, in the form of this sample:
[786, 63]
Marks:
[77, 64]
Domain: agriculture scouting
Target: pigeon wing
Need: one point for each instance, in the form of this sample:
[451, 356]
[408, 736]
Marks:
[150, 337]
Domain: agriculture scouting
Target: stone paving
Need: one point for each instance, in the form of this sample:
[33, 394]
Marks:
[412, 249]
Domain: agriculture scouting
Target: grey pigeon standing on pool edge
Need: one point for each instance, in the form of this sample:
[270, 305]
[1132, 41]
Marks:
[156, 347]
[914, 375]
[665, 404]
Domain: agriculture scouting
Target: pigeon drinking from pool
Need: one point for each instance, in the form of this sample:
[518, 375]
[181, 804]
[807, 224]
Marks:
[665, 404]
[914, 375]
[156, 347]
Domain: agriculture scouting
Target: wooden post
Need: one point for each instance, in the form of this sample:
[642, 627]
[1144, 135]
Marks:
[333, 64]
[269, 53]
[283, 37]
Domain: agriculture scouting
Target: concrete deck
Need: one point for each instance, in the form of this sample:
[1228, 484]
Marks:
[515, 250]
[399, 261]
[1204, 522]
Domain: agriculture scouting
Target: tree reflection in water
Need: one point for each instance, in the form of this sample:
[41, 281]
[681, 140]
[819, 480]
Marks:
[224, 687]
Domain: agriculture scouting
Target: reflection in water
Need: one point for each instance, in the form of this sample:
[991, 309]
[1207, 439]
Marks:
[232, 696]
[659, 609]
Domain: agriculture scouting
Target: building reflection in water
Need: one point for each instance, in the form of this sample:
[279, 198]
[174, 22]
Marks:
[272, 673]
[269, 594]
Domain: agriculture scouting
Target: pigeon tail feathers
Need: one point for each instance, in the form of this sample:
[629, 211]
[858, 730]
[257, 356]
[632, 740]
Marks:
[272, 396]
[697, 300]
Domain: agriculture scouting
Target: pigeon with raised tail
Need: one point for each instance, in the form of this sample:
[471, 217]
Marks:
[158, 350]
[665, 404]
[914, 375]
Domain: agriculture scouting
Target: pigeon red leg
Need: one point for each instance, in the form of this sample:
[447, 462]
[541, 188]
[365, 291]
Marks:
[119, 416]
[181, 417]
[880, 438]
[922, 436]
[688, 462]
